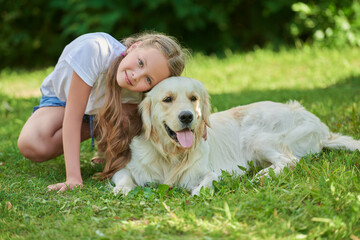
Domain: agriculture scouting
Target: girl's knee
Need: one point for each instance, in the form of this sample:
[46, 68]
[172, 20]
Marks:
[31, 151]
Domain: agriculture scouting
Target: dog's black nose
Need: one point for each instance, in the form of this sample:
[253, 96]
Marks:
[186, 117]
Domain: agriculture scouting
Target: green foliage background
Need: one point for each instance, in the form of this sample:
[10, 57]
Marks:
[33, 33]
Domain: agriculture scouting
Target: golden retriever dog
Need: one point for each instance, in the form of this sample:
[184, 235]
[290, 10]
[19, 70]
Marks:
[171, 149]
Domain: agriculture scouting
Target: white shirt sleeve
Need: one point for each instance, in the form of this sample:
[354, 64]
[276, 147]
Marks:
[87, 59]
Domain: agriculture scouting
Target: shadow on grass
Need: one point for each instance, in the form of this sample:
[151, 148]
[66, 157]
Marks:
[343, 93]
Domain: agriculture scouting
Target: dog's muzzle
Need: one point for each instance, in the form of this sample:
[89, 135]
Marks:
[184, 137]
[186, 117]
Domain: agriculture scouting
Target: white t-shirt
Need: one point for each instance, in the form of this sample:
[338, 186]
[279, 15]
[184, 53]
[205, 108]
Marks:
[89, 55]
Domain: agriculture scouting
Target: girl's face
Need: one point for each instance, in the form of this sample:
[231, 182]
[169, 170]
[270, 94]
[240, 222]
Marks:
[141, 69]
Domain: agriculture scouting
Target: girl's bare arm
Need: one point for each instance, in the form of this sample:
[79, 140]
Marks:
[74, 111]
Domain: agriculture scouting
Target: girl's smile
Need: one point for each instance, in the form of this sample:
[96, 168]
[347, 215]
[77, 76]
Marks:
[141, 69]
[127, 79]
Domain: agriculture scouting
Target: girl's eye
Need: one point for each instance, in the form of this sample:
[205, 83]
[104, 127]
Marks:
[167, 99]
[140, 62]
[193, 98]
[148, 80]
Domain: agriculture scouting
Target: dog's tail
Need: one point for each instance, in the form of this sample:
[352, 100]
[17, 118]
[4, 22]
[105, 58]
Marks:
[338, 141]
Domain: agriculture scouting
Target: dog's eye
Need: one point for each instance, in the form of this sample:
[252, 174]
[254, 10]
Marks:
[193, 98]
[167, 99]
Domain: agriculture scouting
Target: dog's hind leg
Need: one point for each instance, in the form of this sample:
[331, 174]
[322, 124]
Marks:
[278, 160]
[123, 182]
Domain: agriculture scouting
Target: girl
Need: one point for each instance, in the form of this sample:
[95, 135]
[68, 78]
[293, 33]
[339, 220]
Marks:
[78, 81]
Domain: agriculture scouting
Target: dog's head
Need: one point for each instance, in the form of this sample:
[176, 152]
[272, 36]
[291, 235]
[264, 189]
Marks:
[175, 112]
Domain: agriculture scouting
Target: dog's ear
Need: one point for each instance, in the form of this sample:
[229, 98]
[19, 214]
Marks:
[205, 108]
[145, 110]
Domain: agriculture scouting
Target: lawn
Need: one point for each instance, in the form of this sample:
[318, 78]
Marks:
[319, 199]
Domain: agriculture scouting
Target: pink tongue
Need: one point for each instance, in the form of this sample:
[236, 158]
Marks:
[185, 138]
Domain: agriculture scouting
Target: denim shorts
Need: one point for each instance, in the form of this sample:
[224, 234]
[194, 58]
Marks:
[56, 102]
[49, 102]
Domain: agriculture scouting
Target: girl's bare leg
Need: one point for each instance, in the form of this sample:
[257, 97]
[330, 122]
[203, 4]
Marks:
[41, 137]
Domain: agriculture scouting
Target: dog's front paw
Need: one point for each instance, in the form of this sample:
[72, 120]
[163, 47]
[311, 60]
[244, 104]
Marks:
[268, 173]
[123, 182]
[206, 182]
[122, 190]
[196, 191]
[262, 173]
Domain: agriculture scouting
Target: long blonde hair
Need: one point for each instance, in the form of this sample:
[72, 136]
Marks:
[116, 123]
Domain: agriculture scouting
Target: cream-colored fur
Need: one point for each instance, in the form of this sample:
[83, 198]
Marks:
[272, 135]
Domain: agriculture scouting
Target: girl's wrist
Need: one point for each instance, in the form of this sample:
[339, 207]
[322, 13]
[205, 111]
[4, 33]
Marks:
[73, 173]
[74, 179]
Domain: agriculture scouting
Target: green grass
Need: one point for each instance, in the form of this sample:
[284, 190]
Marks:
[319, 199]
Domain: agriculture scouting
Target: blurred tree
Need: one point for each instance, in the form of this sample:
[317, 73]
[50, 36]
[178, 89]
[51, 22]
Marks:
[33, 33]
[326, 23]
[29, 33]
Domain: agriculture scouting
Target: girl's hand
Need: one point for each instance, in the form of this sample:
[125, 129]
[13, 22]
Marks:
[60, 187]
